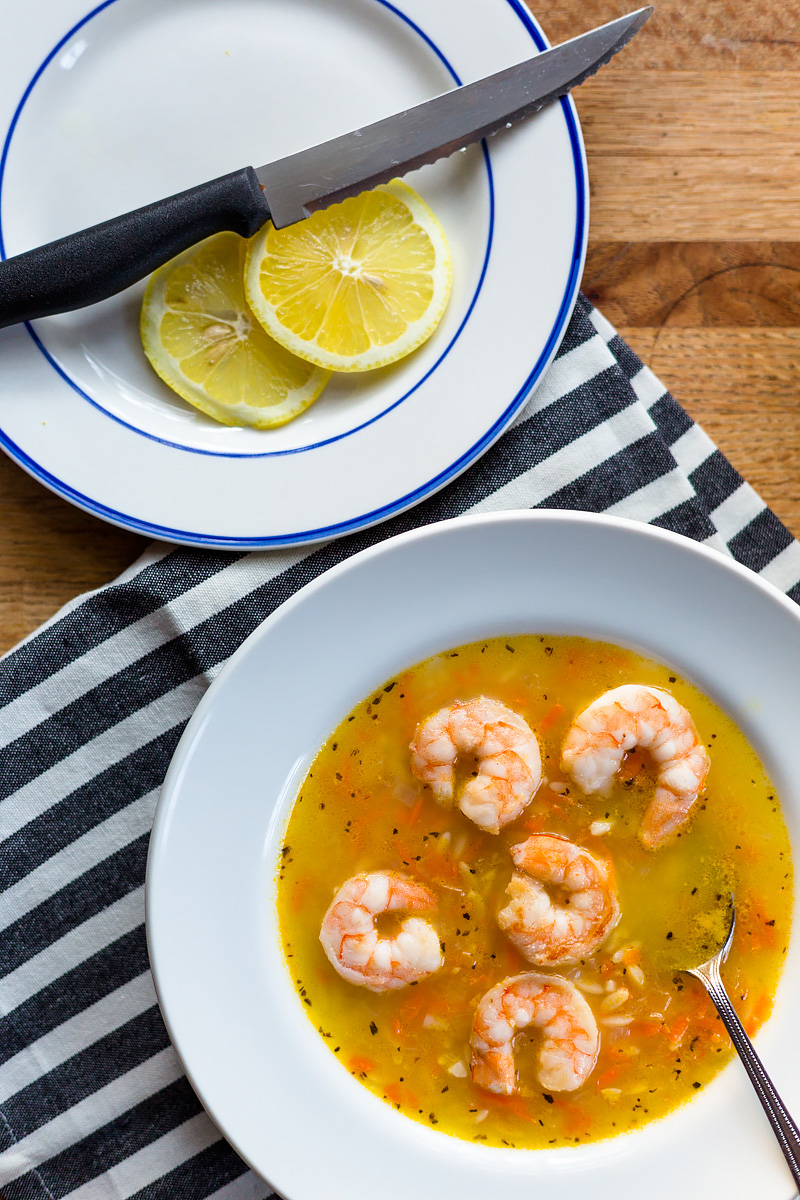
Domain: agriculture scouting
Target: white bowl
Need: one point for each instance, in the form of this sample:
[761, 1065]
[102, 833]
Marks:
[265, 1076]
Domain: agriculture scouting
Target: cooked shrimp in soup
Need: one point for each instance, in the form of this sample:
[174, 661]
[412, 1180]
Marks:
[557, 1009]
[350, 938]
[492, 952]
[507, 754]
[636, 715]
[551, 929]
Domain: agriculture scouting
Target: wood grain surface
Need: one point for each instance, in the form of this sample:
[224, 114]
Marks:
[693, 139]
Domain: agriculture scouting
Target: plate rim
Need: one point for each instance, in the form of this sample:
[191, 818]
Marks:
[406, 501]
[165, 441]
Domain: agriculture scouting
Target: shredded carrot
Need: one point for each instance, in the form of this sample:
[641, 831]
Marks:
[608, 1076]
[677, 1032]
[480, 984]
[409, 1010]
[442, 1006]
[403, 850]
[552, 801]
[514, 1104]
[299, 894]
[760, 1011]
[749, 854]
[647, 1028]
[709, 1025]
[434, 865]
[551, 717]
[632, 957]
[401, 1095]
[465, 678]
[575, 1117]
[415, 810]
[762, 1007]
[472, 849]
[357, 1063]
[535, 824]
[406, 698]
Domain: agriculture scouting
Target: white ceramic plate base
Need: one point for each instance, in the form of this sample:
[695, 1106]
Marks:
[267, 1078]
[107, 110]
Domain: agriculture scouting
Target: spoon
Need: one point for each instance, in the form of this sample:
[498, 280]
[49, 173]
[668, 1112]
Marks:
[782, 1124]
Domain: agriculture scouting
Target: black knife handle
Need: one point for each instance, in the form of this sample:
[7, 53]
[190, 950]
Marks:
[98, 262]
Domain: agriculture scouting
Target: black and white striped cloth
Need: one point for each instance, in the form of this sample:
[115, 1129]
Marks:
[93, 1102]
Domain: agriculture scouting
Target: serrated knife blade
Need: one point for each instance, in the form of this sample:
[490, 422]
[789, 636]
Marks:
[312, 179]
[99, 262]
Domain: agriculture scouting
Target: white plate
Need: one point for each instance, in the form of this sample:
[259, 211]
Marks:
[267, 1078]
[106, 110]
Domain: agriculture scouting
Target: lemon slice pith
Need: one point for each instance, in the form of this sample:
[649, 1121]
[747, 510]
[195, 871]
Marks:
[202, 339]
[355, 286]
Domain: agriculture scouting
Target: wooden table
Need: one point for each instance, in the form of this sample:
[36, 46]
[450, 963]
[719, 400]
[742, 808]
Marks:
[693, 137]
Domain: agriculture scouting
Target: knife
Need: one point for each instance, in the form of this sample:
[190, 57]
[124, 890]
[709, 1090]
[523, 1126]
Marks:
[99, 262]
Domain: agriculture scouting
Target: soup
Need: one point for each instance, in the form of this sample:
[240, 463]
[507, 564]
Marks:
[660, 1038]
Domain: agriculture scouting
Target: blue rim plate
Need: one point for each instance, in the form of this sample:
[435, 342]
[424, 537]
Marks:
[138, 98]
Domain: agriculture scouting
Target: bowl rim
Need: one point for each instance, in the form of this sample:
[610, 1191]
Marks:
[376, 551]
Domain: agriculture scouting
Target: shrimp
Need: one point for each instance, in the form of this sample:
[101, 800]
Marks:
[549, 930]
[638, 715]
[507, 753]
[350, 939]
[550, 1003]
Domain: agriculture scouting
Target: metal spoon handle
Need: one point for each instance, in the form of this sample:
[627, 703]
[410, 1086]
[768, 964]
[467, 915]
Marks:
[782, 1124]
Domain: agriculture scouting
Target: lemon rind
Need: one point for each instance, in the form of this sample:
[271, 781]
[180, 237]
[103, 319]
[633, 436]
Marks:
[416, 333]
[168, 368]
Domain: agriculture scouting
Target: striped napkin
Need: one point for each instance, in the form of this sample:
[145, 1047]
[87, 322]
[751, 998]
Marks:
[93, 1102]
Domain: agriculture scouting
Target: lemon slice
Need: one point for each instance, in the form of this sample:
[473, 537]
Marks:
[355, 286]
[201, 337]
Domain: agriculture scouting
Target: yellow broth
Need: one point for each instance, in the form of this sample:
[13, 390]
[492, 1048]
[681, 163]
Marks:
[361, 809]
